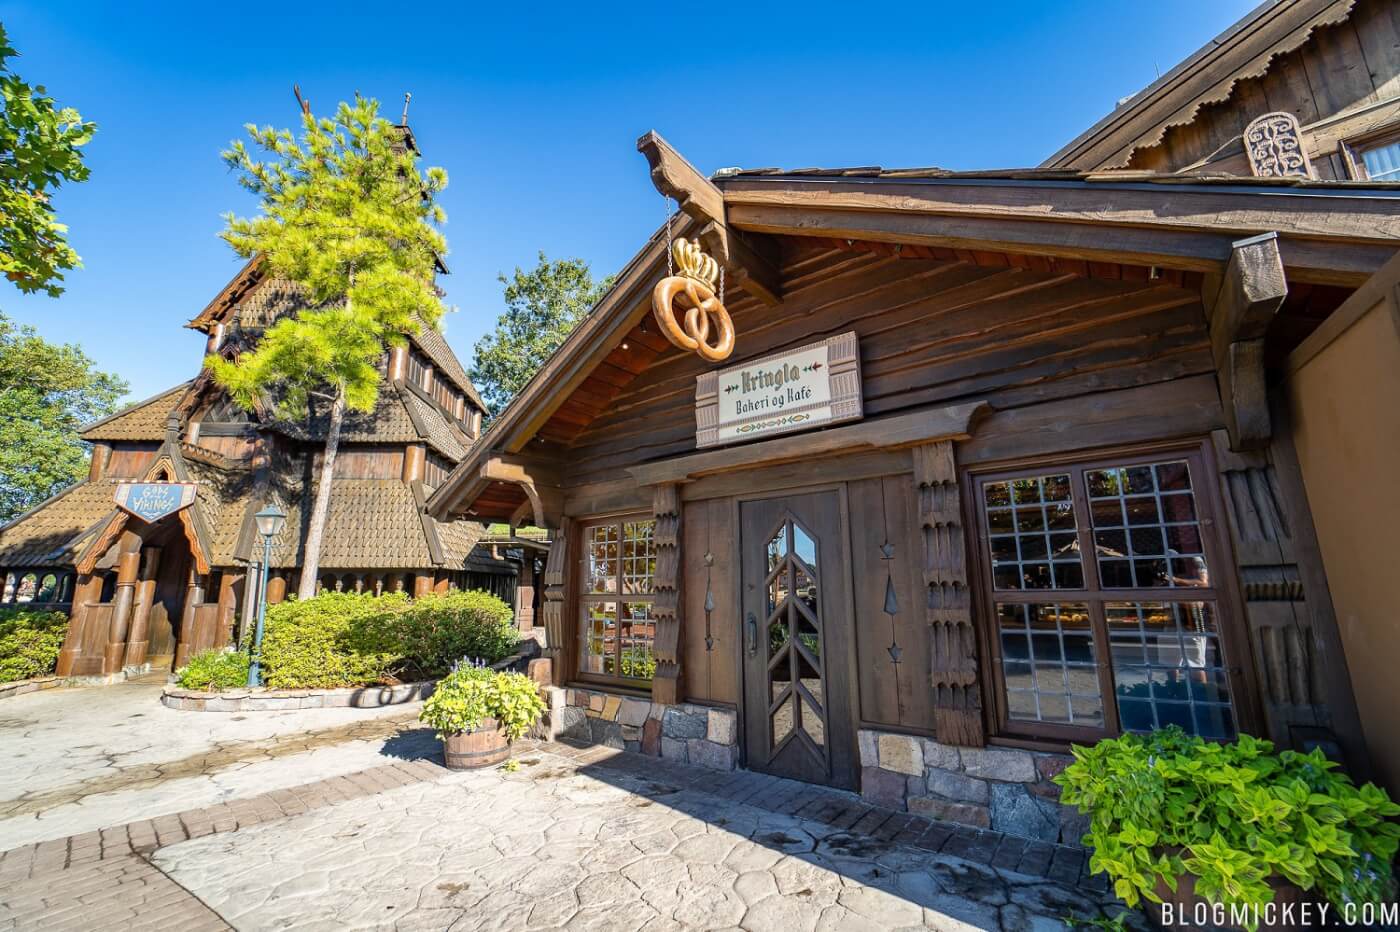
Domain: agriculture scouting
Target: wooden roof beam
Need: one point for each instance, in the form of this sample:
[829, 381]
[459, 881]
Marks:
[753, 267]
[1249, 295]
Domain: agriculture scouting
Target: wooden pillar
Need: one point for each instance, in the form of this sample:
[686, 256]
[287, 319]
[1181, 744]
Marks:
[443, 584]
[230, 585]
[97, 465]
[957, 697]
[525, 594]
[398, 363]
[1251, 292]
[556, 576]
[666, 684]
[123, 602]
[139, 640]
[414, 460]
[194, 595]
[89, 589]
[422, 585]
[276, 588]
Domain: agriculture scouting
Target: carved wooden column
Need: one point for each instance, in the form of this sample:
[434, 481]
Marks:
[194, 595]
[123, 601]
[229, 585]
[276, 588]
[89, 589]
[555, 595]
[957, 697]
[666, 508]
[525, 594]
[1251, 292]
[139, 639]
[422, 585]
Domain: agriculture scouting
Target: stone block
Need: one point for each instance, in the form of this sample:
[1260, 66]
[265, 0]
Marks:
[869, 748]
[998, 764]
[651, 737]
[631, 733]
[606, 733]
[711, 755]
[942, 756]
[335, 700]
[634, 746]
[678, 724]
[314, 702]
[1049, 766]
[611, 705]
[957, 787]
[572, 723]
[1073, 826]
[634, 712]
[657, 711]
[541, 670]
[902, 754]
[882, 787]
[674, 749]
[595, 702]
[962, 813]
[1017, 812]
[720, 726]
[222, 704]
[556, 698]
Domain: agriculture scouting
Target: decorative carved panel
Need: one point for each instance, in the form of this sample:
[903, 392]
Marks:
[666, 509]
[957, 701]
[555, 591]
[1274, 144]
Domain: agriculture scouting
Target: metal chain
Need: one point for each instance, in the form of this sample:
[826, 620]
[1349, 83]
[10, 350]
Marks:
[721, 284]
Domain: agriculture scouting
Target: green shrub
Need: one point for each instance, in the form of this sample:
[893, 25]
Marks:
[214, 669]
[29, 642]
[469, 694]
[433, 632]
[1233, 815]
[315, 643]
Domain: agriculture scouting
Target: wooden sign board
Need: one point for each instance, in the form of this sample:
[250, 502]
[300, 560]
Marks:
[151, 501]
[810, 386]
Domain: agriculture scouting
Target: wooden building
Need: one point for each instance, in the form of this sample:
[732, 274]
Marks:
[154, 591]
[1001, 461]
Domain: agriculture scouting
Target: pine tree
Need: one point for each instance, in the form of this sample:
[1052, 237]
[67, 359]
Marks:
[347, 216]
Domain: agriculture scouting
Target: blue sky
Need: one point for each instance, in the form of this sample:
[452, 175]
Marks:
[534, 110]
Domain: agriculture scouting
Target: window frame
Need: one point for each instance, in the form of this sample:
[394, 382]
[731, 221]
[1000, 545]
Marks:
[1222, 593]
[1353, 149]
[583, 598]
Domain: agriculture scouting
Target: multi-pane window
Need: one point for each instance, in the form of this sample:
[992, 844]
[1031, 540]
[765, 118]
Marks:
[1126, 641]
[617, 625]
[1382, 162]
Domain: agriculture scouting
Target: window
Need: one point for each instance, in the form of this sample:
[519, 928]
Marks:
[616, 623]
[1125, 639]
[1375, 156]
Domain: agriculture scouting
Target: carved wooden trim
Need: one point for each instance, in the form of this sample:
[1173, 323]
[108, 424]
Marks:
[666, 585]
[1251, 292]
[957, 698]
[1274, 144]
[553, 608]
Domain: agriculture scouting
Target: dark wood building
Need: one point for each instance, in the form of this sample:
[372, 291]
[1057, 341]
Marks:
[156, 591]
[1027, 472]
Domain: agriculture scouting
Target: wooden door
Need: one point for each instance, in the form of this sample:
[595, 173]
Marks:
[796, 639]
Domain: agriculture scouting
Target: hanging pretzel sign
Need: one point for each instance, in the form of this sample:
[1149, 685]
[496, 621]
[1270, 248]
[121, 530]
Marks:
[691, 294]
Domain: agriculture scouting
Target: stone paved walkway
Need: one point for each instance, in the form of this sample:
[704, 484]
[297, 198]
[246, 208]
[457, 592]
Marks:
[576, 838]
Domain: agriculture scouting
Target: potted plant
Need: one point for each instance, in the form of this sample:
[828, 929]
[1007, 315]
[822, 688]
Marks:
[1179, 821]
[478, 711]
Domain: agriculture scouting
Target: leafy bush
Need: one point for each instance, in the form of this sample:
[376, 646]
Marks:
[29, 642]
[1233, 815]
[214, 669]
[433, 632]
[315, 644]
[469, 694]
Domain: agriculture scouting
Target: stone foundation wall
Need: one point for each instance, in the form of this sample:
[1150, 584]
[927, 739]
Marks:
[999, 788]
[282, 700]
[692, 734]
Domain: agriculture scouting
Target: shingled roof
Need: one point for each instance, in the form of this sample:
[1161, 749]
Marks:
[50, 533]
[144, 420]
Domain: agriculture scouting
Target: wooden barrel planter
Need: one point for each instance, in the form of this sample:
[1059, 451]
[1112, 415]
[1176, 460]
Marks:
[481, 747]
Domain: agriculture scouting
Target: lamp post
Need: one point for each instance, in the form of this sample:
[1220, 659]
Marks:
[269, 522]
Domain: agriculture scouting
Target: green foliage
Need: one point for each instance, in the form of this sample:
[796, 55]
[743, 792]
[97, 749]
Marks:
[348, 216]
[638, 662]
[312, 643]
[542, 306]
[1232, 815]
[29, 642]
[433, 632]
[469, 694]
[214, 669]
[40, 148]
[47, 392]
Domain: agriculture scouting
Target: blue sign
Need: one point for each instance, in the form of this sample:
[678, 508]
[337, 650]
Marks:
[151, 501]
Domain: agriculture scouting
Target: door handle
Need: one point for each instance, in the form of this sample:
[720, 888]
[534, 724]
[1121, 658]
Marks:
[752, 623]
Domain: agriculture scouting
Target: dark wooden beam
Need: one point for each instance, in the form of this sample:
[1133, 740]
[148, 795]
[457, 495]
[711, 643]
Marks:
[1251, 291]
[754, 268]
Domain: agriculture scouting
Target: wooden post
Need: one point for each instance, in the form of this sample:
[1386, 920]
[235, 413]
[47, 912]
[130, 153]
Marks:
[194, 595]
[398, 363]
[422, 585]
[525, 594]
[414, 462]
[139, 639]
[228, 603]
[123, 601]
[97, 465]
[443, 584]
[276, 588]
[555, 592]
[957, 699]
[666, 684]
[89, 589]
[1251, 292]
